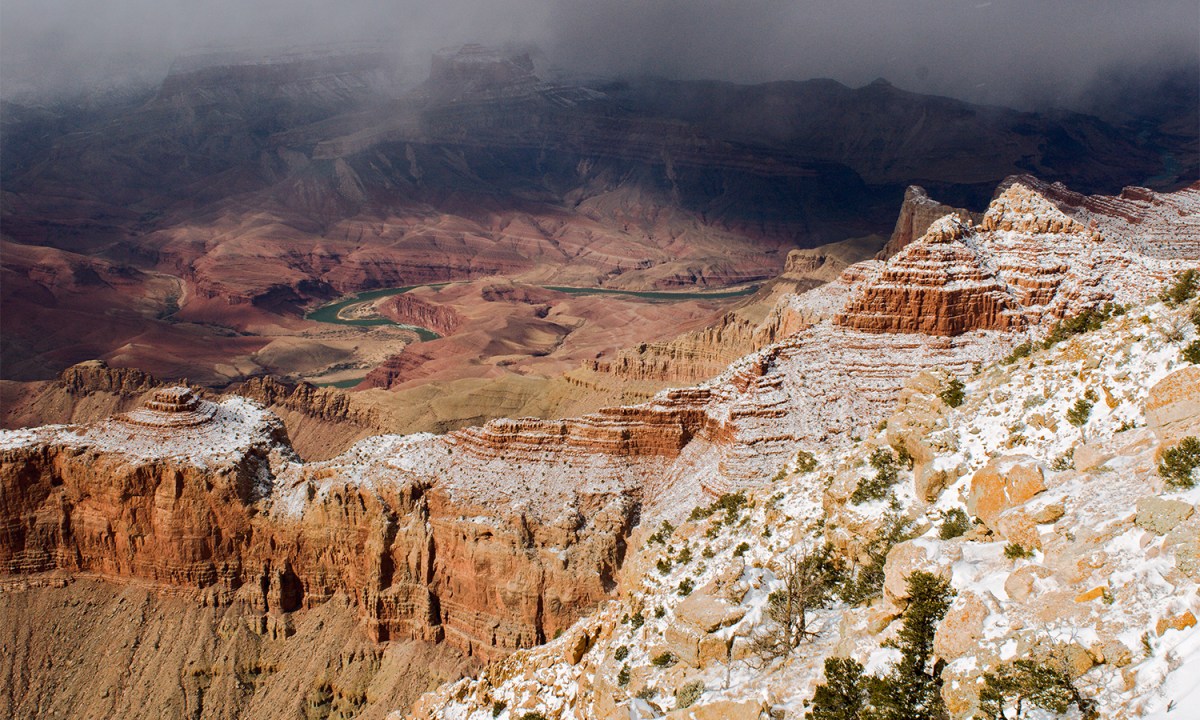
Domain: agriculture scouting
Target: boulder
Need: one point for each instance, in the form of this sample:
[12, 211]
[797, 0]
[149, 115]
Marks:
[1002, 484]
[1020, 584]
[1182, 621]
[1161, 515]
[1184, 540]
[908, 557]
[1018, 526]
[1176, 397]
[708, 613]
[961, 629]
[720, 710]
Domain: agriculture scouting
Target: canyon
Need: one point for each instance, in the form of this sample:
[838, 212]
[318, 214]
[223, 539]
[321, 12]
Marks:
[185, 231]
[473, 544]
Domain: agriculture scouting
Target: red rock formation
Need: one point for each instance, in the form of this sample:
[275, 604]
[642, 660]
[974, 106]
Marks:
[409, 310]
[118, 499]
[938, 286]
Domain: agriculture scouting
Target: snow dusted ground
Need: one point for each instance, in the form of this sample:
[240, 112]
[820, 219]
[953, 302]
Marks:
[237, 426]
[1092, 544]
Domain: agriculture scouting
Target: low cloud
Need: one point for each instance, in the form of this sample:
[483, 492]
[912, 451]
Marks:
[1018, 52]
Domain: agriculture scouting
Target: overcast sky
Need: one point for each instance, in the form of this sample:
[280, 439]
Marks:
[1018, 52]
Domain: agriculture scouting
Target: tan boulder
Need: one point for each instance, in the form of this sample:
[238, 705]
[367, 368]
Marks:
[1182, 621]
[713, 648]
[910, 556]
[1020, 583]
[1176, 397]
[683, 640]
[1017, 526]
[1184, 540]
[1002, 484]
[1161, 515]
[720, 710]
[708, 613]
[1089, 456]
[1049, 513]
[961, 629]
[578, 647]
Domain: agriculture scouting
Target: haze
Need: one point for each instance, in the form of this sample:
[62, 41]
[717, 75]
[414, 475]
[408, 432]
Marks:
[1015, 52]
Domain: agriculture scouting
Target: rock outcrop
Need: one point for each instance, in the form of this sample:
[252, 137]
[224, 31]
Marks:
[938, 286]
[917, 213]
[208, 496]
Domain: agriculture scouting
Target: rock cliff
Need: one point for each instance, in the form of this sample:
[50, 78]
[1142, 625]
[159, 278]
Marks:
[917, 213]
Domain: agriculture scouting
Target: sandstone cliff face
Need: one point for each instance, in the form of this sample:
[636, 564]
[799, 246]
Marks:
[409, 310]
[189, 498]
[1026, 263]
[938, 286]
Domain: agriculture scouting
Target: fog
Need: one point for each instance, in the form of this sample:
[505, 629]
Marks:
[1017, 52]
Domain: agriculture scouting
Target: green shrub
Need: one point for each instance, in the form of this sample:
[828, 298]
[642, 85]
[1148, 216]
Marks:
[664, 659]
[1027, 681]
[741, 549]
[533, 716]
[498, 707]
[1064, 462]
[955, 523]
[1182, 289]
[659, 611]
[1079, 413]
[953, 394]
[1178, 464]
[660, 536]
[1014, 551]
[731, 503]
[806, 462]
[685, 587]
[684, 557]
[1191, 352]
[878, 487]
[1023, 350]
[663, 565]
[623, 676]
[637, 620]
[621, 653]
[1086, 321]
[687, 695]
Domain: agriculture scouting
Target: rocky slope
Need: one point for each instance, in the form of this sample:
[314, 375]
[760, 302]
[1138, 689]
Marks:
[1107, 589]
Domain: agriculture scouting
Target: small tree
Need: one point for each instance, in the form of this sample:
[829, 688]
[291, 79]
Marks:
[1183, 289]
[808, 583]
[1038, 684]
[913, 688]
[887, 472]
[955, 523]
[1179, 463]
[953, 394]
[844, 694]
[1079, 413]
[1191, 353]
